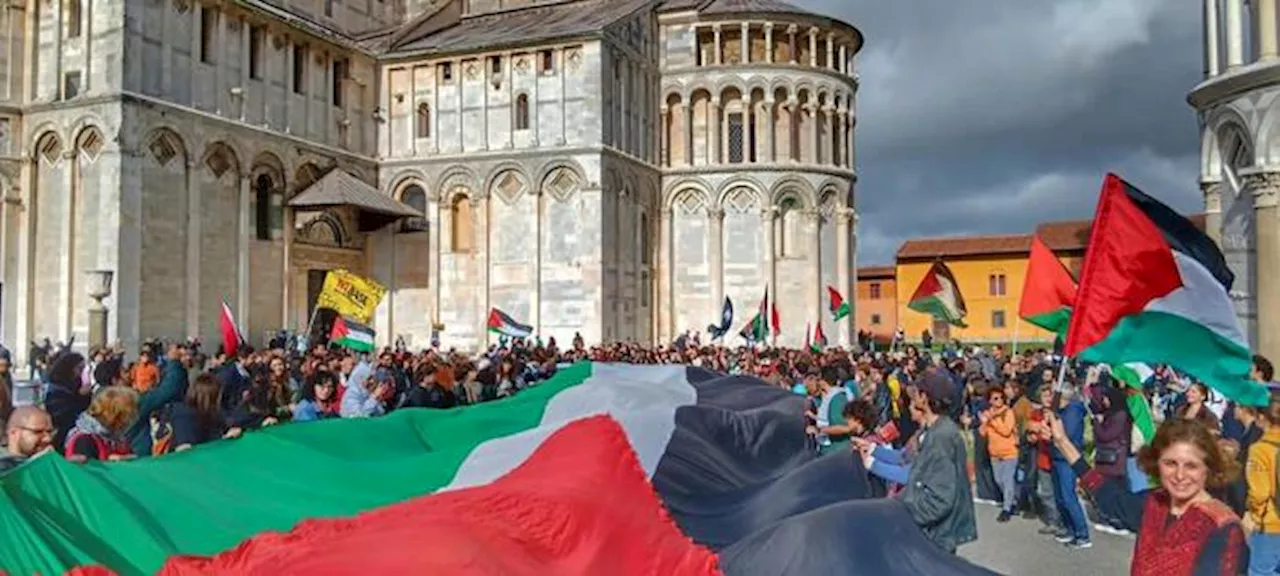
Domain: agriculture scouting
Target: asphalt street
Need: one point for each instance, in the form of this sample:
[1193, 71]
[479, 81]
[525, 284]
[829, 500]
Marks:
[1016, 549]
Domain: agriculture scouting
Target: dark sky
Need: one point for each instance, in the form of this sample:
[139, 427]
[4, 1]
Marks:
[989, 116]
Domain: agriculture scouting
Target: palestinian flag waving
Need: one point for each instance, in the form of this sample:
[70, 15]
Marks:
[839, 308]
[760, 324]
[938, 295]
[819, 339]
[501, 323]
[1048, 291]
[702, 475]
[1154, 289]
[352, 335]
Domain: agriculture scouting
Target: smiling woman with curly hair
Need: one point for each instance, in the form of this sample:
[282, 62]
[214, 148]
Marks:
[1182, 528]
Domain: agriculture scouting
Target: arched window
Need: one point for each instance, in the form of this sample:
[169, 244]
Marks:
[460, 224]
[415, 198]
[522, 112]
[262, 204]
[424, 121]
[789, 223]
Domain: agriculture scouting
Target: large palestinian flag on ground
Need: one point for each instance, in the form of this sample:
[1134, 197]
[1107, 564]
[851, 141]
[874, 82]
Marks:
[938, 295]
[1154, 289]
[604, 469]
[1048, 291]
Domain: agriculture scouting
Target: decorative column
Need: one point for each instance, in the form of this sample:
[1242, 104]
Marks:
[768, 42]
[688, 129]
[666, 268]
[1212, 60]
[713, 129]
[535, 308]
[790, 107]
[697, 45]
[716, 31]
[1212, 209]
[1266, 196]
[831, 52]
[715, 220]
[814, 296]
[194, 243]
[242, 252]
[664, 116]
[746, 44]
[813, 47]
[286, 273]
[844, 59]
[288, 88]
[839, 154]
[824, 156]
[1235, 37]
[768, 217]
[771, 133]
[791, 35]
[844, 255]
[1266, 29]
[66, 298]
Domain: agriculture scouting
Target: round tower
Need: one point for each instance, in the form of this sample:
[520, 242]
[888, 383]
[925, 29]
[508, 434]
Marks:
[757, 119]
[1239, 115]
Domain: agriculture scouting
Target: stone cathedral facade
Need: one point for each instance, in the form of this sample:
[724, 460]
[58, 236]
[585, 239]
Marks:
[609, 167]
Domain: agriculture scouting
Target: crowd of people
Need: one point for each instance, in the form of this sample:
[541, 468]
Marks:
[937, 429]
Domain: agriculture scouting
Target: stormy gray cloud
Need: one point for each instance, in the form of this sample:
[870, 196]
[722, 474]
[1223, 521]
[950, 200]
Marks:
[990, 116]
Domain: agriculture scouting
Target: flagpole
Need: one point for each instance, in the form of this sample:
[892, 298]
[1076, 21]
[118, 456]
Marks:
[1017, 323]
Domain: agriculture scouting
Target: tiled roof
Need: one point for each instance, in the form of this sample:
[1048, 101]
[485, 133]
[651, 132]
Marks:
[339, 188]
[523, 26]
[1071, 235]
[1066, 236]
[880, 272]
[964, 246]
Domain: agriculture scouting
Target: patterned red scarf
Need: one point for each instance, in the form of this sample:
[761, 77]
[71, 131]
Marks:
[1172, 550]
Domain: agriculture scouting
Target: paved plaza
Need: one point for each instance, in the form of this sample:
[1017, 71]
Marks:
[1014, 548]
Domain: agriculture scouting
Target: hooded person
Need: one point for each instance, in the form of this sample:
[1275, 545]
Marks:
[363, 397]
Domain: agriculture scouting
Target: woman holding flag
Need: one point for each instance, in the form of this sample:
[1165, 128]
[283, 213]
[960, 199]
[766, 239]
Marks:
[1183, 529]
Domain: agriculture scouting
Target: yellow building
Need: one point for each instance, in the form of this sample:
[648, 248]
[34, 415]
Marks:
[990, 271]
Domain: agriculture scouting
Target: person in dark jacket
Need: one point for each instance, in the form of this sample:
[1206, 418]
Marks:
[235, 378]
[172, 388]
[199, 417]
[937, 493]
[430, 393]
[1112, 435]
[67, 396]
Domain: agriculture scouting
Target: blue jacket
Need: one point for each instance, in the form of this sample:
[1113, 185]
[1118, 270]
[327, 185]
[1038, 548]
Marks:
[1073, 423]
[172, 388]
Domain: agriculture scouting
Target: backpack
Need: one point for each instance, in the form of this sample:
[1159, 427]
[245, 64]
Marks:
[99, 444]
[162, 431]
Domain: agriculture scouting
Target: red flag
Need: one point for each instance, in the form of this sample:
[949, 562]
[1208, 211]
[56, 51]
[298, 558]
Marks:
[231, 336]
[775, 319]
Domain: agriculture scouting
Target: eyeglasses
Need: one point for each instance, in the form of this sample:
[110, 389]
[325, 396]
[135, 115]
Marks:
[40, 431]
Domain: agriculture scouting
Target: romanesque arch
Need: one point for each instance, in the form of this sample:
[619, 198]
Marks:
[266, 197]
[691, 276]
[166, 205]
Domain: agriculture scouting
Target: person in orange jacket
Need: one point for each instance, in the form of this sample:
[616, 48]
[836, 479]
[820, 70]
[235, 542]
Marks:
[1000, 428]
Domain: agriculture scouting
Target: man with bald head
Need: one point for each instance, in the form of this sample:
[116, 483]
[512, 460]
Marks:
[29, 432]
